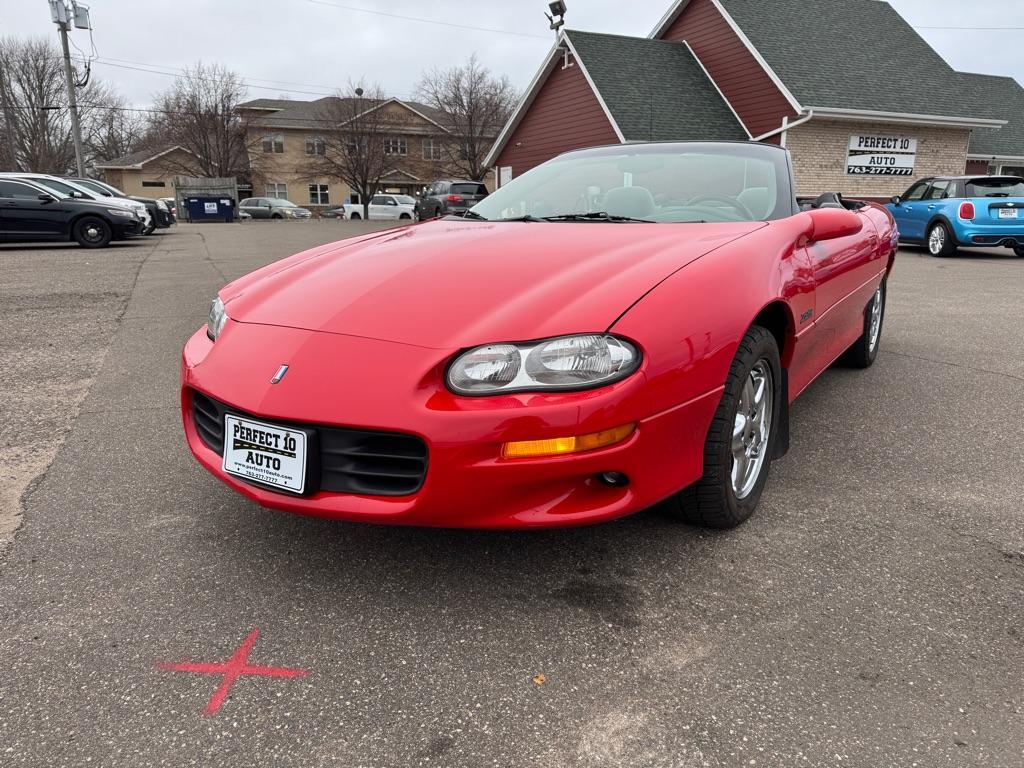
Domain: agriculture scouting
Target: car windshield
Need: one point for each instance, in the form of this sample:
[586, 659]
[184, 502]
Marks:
[992, 187]
[405, 200]
[95, 187]
[279, 203]
[58, 189]
[660, 183]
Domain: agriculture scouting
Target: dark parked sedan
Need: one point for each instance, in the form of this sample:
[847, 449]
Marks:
[273, 208]
[30, 212]
[160, 214]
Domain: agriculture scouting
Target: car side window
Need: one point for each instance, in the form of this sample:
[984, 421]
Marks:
[20, 191]
[937, 190]
[390, 201]
[917, 191]
[378, 200]
[248, 201]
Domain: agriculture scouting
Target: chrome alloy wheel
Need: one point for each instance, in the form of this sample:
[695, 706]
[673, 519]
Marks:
[875, 327]
[752, 429]
[936, 240]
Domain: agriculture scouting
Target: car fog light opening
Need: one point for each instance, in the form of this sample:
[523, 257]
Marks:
[561, 446]
[614, 479]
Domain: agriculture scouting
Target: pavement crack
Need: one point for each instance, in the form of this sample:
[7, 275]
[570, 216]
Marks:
[975, 369]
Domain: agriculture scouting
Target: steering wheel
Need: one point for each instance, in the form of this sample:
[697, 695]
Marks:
[732, 202]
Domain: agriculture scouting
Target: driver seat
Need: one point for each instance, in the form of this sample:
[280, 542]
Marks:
[634, 202]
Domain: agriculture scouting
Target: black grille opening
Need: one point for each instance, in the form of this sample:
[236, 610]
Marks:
[209, 418]
[350, 460]
[378, 463]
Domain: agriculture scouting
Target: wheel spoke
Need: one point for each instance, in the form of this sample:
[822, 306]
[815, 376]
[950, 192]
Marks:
[738, 429]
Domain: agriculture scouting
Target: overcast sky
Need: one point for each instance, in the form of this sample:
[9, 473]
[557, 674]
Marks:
[306, 48]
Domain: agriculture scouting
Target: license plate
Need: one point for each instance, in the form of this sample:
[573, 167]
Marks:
[1007, 213]
[265, 453]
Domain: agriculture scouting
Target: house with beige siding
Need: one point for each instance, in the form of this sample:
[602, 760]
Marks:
[862, 102]
[149, 172]
[285, 136]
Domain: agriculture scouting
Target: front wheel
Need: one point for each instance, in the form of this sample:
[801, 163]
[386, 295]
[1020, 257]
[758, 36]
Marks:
[1019, 250]
[741, 442]
[940, 241]
[92, 232]
[405, 216]
[355, 217]
[865, 349]
[150, 229]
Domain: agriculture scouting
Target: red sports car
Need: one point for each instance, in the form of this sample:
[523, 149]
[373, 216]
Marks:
[618, 326]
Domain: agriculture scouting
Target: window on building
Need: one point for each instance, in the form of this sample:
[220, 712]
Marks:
[278, 190]
[315, 145]
[431, 149]
[319, 194]
[396, 145]
[273, 143]
[154, 183]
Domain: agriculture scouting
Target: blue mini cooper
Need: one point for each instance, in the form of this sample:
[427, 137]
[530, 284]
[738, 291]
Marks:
[947, 212]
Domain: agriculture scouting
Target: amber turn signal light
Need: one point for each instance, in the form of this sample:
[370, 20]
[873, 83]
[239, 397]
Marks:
[560, 446]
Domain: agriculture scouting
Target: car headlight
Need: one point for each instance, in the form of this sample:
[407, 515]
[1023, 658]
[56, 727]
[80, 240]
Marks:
[565, 363]
[123, 212]
[218, 316]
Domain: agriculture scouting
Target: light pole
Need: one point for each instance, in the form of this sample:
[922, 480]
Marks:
[62, 18]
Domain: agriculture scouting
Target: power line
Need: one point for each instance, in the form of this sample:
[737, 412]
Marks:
[422, 20]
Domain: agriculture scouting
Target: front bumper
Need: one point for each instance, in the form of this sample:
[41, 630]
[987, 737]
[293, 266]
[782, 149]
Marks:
[122, 229]
[468, 484]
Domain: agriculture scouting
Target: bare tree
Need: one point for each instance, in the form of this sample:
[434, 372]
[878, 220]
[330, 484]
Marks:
[199, 113]
[354, 127]
[476, 106]
[33, 101]
[114, 129]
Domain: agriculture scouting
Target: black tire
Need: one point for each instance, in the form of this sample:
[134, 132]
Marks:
[150, 229]
[712, 501]
[945, 245]
[92, 232]
[405, 216]
[276, 216]
[864, 350]
[438, 212]
[355, 217]
[1019, 250]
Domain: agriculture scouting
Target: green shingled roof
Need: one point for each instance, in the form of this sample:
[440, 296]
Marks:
[1001, 98]
[655, 90]
[851, 54]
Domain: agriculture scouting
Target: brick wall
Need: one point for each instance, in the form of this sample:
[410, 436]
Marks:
[819, 156]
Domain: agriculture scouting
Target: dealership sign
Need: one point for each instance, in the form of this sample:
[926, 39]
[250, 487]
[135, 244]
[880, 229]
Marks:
[872, 155]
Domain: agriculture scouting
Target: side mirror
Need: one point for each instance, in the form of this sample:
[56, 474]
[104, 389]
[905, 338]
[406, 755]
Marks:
[895, 199]
[45, 198]
[833, 223]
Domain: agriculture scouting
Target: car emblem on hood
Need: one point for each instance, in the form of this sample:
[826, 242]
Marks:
[280, 374]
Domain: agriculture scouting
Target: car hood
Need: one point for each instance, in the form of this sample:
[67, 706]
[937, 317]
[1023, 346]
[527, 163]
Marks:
[450, 284]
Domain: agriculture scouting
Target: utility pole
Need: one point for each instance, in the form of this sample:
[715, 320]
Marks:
[63, 18]
[76, 127]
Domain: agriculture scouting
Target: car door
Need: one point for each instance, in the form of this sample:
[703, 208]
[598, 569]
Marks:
[844, 271]
[24, 214]
[910, 212]
[378, 208]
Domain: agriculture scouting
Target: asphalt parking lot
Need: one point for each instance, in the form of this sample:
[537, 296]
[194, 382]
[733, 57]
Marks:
[868, 615]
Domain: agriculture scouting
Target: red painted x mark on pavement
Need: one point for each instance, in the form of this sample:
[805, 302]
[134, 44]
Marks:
[231, 670]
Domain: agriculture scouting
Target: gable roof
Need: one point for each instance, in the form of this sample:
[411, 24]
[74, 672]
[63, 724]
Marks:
[136, 160]
[655, 90]
[650, 90]
[1001, 97]
[850, 56]
[287, 113]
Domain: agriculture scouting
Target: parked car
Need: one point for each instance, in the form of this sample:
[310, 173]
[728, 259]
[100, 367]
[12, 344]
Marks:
[159, 213]
[31, 212]
[947, 212]
[630, 324]
[384, 207]
[273, 208]
[449, 197]
[172, 207]
[68, 188]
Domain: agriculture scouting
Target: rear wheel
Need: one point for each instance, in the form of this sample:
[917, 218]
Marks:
[865, 349]
[940, 242]
[405, 216]
[741, 441]
[1019, 250]
[92, 232]
[355, 217]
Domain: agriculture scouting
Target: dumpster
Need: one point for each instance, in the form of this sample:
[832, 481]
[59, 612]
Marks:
[210, 208]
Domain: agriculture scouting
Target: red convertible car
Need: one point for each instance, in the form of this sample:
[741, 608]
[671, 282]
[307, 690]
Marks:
[619, 326]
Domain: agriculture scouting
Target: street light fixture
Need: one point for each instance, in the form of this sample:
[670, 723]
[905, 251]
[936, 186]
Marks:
[558, 9]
